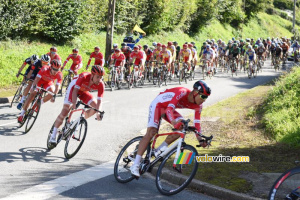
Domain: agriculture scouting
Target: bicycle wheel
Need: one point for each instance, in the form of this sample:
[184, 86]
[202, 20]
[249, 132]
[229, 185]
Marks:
[287, 186]
[170, 180]
[17, 96]
[125, 160]
[33, 113]
[64, 85]
[75, 139]
[49, 145]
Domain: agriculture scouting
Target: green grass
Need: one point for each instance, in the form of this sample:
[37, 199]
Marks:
[15, 52]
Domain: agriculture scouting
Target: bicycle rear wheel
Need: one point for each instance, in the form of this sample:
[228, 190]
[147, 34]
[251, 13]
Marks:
[75, 139]
[17, 96]
[287, 186]
[64, 85]
[125, 160]
[33, 113]
[170, 180]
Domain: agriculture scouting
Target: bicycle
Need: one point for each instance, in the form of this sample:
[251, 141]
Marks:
[260, 64]
[252, 71]
[277, 63]
[19, 93]
[33, 112]
[169, 159]
[74, 131]
[233, 66]
[137, 78]
[67, 80]
[287, 186]
[157, 75]
[147, 72]
[183, 73]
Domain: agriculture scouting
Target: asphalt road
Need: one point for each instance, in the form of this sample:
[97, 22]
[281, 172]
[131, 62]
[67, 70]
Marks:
[27, 167]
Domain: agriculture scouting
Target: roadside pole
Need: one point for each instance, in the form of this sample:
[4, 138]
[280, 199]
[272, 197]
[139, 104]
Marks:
[110, 27]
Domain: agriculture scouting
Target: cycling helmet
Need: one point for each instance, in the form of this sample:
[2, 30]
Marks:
[163, 46]
[234, 44]
[53, 49]
[140, 47]
[135, 47]
[184, 46]
[223, 43]
[229, 42]
[193, 43]
[175, 42]
[75, 50]
[190, 45]
[56, 64]
[208, 46]
[158, 44]
[154, 44]
[202, 87]
[255, 46]
[123, 44]
[97, 69]
[212, 40]
[45, 58]
[170, 43]
[249, 47]
[33, 58]
[248, 40]
[207, 40]
[233, 38]
[97, 48]
[117, 50]
[204, 43]
[115, 45]
[145, 46]
[241, 40]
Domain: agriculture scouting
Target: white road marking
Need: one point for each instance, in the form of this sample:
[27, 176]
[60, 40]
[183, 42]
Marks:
[8, 123]
[57, 186]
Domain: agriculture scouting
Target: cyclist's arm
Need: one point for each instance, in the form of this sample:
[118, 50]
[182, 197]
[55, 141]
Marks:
[67, 60]
[21, 68]
[100, 95]
[197, 118]
[91, 56]
[59, 77]
[29, 74]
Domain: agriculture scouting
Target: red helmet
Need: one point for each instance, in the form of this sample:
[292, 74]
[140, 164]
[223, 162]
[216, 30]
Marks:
[190, 45]
[163, 46]
[170, 43]
[53, 49]
[184, 46]
[117, 50]
[158, 44]
[97, 48]
[75, 50]
[140, 47]
[55, 64]
[135, 47]
[97, 69]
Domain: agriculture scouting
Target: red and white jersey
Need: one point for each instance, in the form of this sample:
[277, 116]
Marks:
[54, 56]
[82, 84]
[137, 55]
[118, 59]
[99, 59]
[47, 78]
[76, 60]
[177, 98]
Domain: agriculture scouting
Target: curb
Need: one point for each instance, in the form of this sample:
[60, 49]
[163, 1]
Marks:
[207, 189]
[5, 100]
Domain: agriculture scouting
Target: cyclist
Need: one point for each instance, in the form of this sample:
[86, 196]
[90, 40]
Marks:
[285, 49]
[156, 52]
[77, 61]
[80, 87]
[163, 106]
[172, 49]
[99, 59]
[139, 59]
[278, 52]
[177, 49]
[166, 58]
[149, 57]
[31, 73]
[118, 58]
[194, 54]
[235, 53]
[53, 54]
[261, 52]
[194, 45]
[296, 48]
[186, 54]
[45, 78]
[250, 54]
[203, 47]
[208, 56]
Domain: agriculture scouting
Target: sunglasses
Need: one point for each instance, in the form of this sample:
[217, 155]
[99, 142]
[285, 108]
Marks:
[204, 97]
[54, 69]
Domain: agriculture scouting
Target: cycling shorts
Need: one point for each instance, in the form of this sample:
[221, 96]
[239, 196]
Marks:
[85, 97]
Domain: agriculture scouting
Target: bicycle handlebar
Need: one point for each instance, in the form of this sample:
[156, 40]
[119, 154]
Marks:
[40, 88]
[88, 106]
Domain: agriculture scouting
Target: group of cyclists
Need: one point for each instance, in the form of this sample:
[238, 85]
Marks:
[46, 71]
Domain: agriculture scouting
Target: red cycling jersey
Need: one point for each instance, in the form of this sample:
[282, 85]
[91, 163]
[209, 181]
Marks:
[139, 56]
[118, 59]
[127, 51]
[76, 61]
[54, 56]
[47, 79]
[149, 54]
[99, 59]
[166, 103]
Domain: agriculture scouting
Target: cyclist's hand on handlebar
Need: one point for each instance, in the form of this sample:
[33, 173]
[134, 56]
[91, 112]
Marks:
[73, 107]
[99, 116]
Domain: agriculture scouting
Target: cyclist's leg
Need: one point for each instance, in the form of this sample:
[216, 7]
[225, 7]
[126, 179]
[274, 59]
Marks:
[49, 88]
[171, 138]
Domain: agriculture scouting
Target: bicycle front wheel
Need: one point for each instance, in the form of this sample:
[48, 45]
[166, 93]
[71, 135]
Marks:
[171, 179]
[125, 160]
[17, 96]
[287, 186]
[32, 116]
[75, 139]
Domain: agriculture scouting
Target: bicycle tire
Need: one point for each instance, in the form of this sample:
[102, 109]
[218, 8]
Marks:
[16, 96]
[64, 84]
[49, 145]
[117, 174]
[285, 182]
[166, 172]
[32, 113]
[73, 137]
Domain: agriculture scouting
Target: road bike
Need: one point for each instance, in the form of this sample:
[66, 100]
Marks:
[19, 93]
[115, 77]
[183, 73]
[172, 175]
[287, 186]
[32, 113]
[252, 70]
[73, 132]
[233, 66]
[67, 80]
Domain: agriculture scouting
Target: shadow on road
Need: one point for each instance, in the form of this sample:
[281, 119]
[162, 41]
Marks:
[10, 131]
[28, 154]
[4, 106]
[9, 116]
